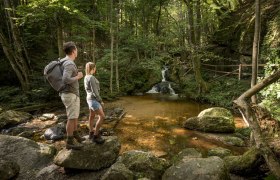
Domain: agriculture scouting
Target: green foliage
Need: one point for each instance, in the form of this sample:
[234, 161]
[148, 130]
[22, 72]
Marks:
[271, 94]
[222, 91]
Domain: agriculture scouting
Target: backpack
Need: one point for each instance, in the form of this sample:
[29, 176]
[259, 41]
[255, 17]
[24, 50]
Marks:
[53, 73]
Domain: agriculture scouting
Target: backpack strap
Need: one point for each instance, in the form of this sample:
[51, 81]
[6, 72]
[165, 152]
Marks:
[61, 61]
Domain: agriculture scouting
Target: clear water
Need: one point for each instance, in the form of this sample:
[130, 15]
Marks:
[154, 123]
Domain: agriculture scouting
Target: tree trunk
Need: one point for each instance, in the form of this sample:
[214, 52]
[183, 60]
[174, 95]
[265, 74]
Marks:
[10, 54]
[198, 23]
[117, 48]
[15, 50]
[244, 107]
[255, 54]
[112, 49]
[202, 86]
[60, 39]
[93, 45]
[158, 18]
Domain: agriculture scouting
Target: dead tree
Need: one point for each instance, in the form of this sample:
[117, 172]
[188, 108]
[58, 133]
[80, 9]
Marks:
[244, 106]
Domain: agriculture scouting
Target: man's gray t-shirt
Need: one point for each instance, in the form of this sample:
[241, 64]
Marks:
[69, 72]
[92, 88]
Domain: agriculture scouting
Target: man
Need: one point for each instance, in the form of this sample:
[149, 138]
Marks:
[70, 94]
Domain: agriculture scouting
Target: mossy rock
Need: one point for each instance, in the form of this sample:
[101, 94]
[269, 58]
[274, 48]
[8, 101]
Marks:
[11, 118]
[220, 152]
[212, 120]
[216, 112]
[144, 164]
[235, 141]
[245, 164]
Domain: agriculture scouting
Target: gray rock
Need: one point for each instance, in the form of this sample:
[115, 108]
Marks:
[185, 154]
[118, 171]
[8, 169]
[11, 118]
[212, 120]
[48, 116]
[220, 152]
[92, 157]
[29, 155]
[47, 171]
[55, 133]
[144, 164]
[212, 168]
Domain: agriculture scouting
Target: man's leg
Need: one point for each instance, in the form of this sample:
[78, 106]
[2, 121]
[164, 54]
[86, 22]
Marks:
[75, 132]
[70, 139]
[70, 127]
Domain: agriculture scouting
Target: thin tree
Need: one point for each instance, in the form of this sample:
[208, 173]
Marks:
[112, 47]
[256, 43]
[193, 45]
[59, 33]
[117, 47]
[14, 48]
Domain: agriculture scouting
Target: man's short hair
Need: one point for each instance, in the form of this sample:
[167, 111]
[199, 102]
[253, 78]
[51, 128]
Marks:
[69, 47]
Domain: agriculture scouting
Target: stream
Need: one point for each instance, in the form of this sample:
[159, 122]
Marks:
[154, 123]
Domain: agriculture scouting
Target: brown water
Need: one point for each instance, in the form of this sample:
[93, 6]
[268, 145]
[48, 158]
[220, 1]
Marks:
[154, 123]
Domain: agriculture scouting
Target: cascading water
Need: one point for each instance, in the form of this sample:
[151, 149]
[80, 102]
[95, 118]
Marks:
[164, 86]
[163, 73]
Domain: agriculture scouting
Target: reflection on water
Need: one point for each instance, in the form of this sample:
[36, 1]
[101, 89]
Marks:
[154, 123]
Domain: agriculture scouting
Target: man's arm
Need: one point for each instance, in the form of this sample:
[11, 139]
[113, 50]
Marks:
[67, 73]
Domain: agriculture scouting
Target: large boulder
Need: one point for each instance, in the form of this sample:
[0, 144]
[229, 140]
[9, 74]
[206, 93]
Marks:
[212, 168]
[118, 171]
[216, 112]
[92, 157]
[29, 155]
[8, 169]
[212, 120]
[11, 118]
[54, 172]
[245, 164]
[142, 164]
[185, 154]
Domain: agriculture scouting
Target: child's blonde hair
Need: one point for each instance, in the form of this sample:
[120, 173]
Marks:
[89, 66]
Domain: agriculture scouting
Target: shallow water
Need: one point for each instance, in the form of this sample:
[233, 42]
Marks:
[154, 123]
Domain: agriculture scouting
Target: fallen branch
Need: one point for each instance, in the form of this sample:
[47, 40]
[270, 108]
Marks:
[244, 106]
[118, 120]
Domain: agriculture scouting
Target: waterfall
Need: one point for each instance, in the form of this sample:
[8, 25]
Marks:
[153, 90]
[163, 74]
[164, 86]
[172, 92]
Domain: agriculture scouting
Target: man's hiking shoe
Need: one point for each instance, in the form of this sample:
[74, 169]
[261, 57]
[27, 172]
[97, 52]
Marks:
[70, 144]
[78, 137]
[98, 139]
